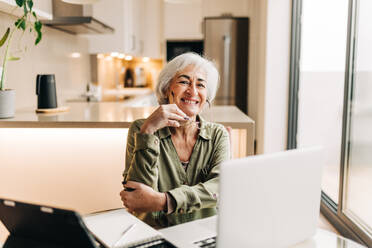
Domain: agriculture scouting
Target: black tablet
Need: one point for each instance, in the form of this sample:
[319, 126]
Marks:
[46, 224]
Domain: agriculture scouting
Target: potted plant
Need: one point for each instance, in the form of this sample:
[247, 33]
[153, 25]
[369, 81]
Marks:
[28, 22]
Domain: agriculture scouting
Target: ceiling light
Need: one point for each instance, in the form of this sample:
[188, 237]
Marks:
[114, 54]
[145, 59]
[128, 57]
[121, 56]
[80, 1]
[100, 56]
[75, 55]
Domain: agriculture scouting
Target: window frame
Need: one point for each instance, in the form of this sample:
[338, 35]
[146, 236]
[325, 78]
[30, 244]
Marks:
[332, 211]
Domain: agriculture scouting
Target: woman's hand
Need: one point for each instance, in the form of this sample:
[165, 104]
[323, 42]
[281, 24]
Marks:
[165, 115]
[143, 198]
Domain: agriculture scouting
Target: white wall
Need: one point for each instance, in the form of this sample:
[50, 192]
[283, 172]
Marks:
[45, 5]
[275, 91]
[51, 56]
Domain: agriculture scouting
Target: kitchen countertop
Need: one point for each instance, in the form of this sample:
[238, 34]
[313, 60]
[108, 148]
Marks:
[119, 115]
[113, 115]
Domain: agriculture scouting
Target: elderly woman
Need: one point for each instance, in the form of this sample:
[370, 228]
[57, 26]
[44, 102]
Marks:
[173, 156]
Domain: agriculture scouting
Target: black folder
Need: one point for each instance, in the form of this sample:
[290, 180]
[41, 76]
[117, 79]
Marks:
[43, 225]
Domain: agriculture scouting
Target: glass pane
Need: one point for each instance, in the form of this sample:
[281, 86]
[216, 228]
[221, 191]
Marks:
[358, 191]
[321, 85]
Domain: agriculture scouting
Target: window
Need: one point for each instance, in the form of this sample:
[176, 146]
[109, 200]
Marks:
[358, 163]
[331, 104]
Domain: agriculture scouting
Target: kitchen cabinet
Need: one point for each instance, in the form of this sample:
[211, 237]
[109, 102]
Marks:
[133, 26]
[143, 28]
[183, 19]
[223, 7]
[137, 24]
[79, 155]
[110, 12]
[153, 29]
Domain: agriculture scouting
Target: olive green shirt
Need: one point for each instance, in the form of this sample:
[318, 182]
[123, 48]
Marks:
[153, 160]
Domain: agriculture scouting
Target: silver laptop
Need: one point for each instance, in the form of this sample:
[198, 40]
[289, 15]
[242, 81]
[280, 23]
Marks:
[267, 200]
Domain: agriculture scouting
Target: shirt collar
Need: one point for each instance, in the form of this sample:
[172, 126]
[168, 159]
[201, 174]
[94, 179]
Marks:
[204, 132]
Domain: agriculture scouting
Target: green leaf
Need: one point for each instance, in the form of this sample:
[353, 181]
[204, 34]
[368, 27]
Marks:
[30, 4]
[34, 14]
[20, 23]
[38, 26]
[5, 36]
[38, 38]
[11, 58]
[20, 2]
[23, 24]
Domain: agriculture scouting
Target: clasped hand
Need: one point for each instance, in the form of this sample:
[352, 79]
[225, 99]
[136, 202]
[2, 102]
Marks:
[143, 198]
[165, 115]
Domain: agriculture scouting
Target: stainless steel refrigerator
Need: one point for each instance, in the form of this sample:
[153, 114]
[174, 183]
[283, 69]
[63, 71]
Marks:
[226, 43]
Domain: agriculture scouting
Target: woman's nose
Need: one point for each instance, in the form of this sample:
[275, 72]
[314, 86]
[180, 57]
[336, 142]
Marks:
[193, 90]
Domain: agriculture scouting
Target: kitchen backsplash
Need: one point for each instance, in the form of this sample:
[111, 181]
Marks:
[113, 72]
[58, 53]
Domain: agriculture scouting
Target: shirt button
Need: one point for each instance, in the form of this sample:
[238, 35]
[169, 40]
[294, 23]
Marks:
[156, 142]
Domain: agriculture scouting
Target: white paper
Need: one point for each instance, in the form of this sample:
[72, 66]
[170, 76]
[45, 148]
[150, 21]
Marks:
[109, 227]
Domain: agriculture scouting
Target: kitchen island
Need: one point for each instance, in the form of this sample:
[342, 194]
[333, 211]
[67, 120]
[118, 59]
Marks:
[75, 159]
[119, 115]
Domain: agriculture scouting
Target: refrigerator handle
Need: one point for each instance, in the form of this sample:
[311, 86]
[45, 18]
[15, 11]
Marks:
[226, 61]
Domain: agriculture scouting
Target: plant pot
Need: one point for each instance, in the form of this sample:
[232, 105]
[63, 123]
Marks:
[7, 102]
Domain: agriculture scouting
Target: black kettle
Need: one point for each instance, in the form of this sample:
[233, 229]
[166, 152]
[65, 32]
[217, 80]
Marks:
[46, 91]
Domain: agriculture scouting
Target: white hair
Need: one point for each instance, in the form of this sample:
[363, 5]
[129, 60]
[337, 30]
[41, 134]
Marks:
[180, 62]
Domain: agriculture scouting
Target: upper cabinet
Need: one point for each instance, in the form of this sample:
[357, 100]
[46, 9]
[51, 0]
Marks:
[110, 12]
[137, 24]
[184, 19]
[153, 30]
[222, 7]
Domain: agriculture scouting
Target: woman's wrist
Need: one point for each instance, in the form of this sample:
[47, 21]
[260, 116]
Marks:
[146, 129]
[162, 201]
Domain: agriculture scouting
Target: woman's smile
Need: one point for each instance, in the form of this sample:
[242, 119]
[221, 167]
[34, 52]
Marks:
[190, 101]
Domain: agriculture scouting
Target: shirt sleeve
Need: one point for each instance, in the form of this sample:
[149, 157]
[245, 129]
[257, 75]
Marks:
[142, 152]
[171, 204]
[204, 194]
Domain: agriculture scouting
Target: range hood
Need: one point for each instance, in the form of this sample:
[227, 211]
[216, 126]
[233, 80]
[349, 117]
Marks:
[76, 19]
